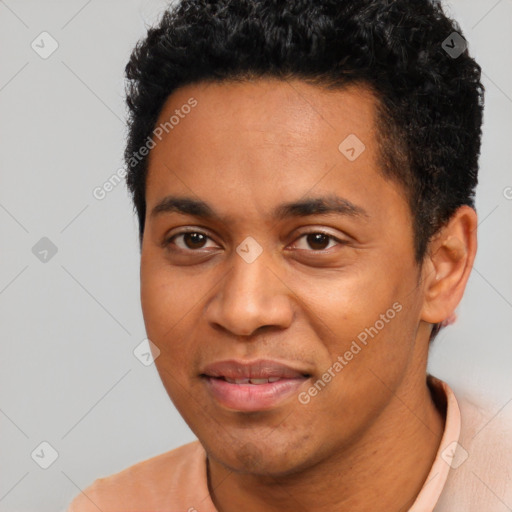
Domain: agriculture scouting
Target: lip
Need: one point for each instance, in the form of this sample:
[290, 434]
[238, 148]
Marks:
[250, 397]
[256, 369]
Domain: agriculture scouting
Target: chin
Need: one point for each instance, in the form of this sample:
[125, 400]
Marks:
[273, 459]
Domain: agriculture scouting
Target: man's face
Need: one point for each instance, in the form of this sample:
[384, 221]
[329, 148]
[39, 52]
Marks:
[306, 300]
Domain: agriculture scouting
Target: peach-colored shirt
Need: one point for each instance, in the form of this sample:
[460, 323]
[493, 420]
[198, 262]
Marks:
[176, 481]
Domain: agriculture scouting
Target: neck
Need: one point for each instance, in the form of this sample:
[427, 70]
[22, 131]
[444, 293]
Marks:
[384, 469]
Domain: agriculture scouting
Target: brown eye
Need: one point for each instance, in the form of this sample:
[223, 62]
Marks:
[194, 240]
[188, 240]
[319, 241]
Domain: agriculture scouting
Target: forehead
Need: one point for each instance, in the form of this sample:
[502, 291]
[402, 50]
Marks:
[278, 110]
[264, 141]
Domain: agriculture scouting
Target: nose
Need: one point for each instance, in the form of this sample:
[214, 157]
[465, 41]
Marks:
[249, 297]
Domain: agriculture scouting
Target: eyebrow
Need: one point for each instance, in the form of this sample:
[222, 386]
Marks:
[324, 205]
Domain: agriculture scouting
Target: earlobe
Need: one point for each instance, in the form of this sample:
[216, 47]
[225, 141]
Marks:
[451, 258]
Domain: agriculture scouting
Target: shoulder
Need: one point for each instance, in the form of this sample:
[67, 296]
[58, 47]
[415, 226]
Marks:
[486, 430]
[174, 478]
[481, 473]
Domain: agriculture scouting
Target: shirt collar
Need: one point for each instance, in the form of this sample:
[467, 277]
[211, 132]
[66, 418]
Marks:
[436, 479]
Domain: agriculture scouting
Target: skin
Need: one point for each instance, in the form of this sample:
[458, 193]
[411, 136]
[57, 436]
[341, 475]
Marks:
[368, 439]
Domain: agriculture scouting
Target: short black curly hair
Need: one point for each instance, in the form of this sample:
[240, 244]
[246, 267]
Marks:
[430, 101]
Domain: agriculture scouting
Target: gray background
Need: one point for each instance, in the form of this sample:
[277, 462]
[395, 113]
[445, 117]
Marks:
[69, 325]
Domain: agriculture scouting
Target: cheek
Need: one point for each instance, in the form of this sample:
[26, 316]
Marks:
[168, 312]
[345, 303]
[166, 298]
[364, 318]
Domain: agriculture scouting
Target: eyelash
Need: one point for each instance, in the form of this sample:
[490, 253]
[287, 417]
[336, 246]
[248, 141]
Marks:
[169, 240]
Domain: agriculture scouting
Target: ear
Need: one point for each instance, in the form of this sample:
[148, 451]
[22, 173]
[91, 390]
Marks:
[447, 266]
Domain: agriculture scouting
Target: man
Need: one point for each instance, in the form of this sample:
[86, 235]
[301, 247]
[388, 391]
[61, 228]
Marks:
[304, 174]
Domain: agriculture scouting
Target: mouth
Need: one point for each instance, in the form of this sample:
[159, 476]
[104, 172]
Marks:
[250, 381]
[252, 386]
